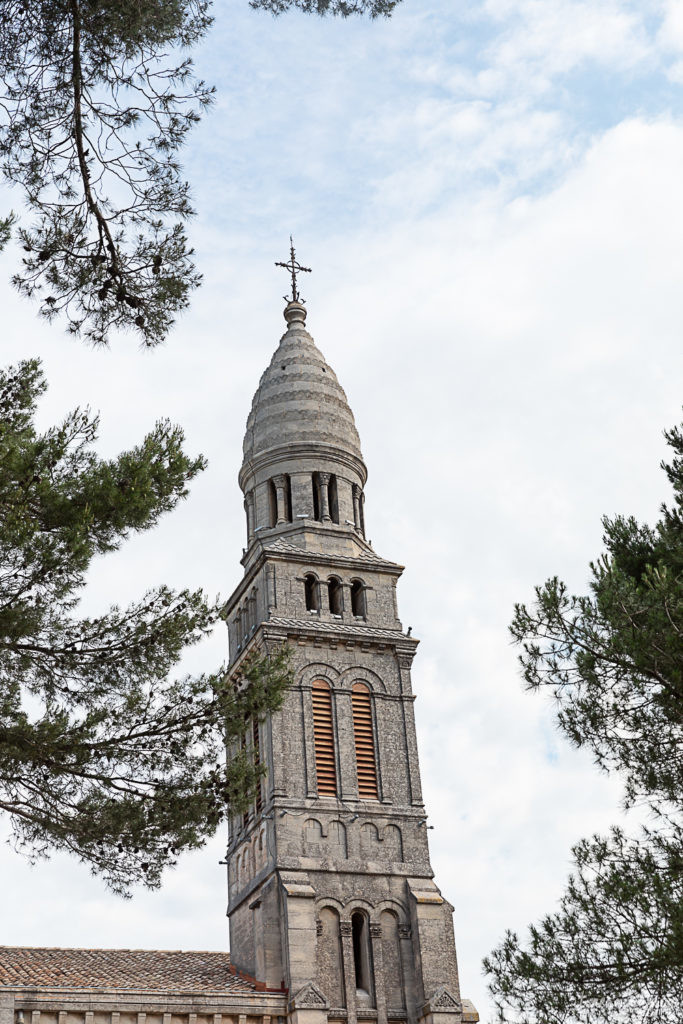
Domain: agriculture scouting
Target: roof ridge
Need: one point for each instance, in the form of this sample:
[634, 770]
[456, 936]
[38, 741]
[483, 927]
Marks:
[117, 949]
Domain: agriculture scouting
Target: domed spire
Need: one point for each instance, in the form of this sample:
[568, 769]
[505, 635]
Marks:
[300, 407]
[303, 469]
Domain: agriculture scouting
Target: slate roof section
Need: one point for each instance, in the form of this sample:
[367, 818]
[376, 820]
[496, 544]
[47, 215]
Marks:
[357, 632]
[147, 970]
[286, 547]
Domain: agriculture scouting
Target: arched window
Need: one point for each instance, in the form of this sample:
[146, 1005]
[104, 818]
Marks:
[334, 591]
[358, 607]
[272, 503]
[289, 508]
[366, 765]
[323, 736]
[362, 956]
[312, 593]
[315, 483]
[333, 499]
[256, 746]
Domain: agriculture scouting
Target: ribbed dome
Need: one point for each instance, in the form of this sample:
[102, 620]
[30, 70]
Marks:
[299, 400]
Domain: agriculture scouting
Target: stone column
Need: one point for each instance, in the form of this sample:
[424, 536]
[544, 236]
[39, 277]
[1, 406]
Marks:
[346, 931]
[249, 507]
[355, 490]
[323, 481]
[271, 589]
[280, 483]
[408, 965]
[378, 964]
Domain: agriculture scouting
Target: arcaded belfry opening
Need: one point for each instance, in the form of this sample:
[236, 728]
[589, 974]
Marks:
[323, 737]
[333, 499]
[358, 608]
[335, 596]
[362, 957]
[311, 592]
[272, 503]
[289, 514]
[315, 484]
[363, 734]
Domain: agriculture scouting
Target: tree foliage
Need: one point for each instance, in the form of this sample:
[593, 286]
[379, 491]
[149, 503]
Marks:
[103, 752]
[98, 99]
[339, 8]
[613, 662]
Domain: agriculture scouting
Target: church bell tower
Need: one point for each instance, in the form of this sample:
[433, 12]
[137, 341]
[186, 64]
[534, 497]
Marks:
[331, 892]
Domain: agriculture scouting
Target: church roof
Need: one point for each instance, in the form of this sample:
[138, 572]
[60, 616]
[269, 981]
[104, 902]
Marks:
[299, 400]
[148, 970]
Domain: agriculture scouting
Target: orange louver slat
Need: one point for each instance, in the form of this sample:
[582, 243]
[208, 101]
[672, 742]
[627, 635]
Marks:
[323, 734]
[366, 766]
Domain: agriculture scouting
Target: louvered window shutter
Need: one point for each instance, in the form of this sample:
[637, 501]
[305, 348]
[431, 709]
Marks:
[365, 742]
[323, 732]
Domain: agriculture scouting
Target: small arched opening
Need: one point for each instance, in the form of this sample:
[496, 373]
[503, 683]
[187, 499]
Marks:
[358, 606]
[289, 509]
[311, 593]
[333, 499]
[272, 504]
[362, 957]
[315, 483]
[334, 591]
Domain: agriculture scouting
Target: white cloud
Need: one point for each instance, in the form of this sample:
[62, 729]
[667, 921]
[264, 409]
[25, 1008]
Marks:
[551, 37]
[502, 304]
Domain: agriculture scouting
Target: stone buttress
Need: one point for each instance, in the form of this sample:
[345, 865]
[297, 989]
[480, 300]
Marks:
[331, 892]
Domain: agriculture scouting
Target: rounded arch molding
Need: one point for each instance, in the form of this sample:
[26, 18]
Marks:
[372, 909]
[361, 674]
[318, 670]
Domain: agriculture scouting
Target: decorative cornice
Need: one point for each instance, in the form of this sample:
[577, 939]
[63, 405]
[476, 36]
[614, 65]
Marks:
[294, 452]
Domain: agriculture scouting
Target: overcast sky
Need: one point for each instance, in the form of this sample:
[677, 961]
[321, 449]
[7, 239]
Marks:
[489, 194]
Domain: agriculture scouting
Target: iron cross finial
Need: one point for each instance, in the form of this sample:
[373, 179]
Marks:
[294, 268]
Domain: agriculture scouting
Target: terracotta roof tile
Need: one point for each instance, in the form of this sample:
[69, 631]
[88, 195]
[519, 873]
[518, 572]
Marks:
[150, 970]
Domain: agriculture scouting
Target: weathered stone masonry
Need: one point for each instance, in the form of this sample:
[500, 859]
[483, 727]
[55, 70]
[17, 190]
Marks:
[331, 893]
[334, 913]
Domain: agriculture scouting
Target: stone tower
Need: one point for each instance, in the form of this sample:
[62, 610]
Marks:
[331, 893]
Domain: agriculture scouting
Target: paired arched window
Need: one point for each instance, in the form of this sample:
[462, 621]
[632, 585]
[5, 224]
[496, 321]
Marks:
[363, 734]
[323, 735]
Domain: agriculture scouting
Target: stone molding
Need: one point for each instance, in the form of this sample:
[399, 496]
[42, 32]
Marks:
[441, 1001]
[292, 452]
[309, 997]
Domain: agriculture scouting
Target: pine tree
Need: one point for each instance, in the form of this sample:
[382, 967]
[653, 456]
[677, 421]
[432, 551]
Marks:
[103, 751]
[98, 99]
[613, 661]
